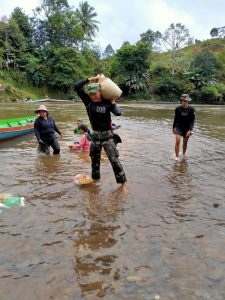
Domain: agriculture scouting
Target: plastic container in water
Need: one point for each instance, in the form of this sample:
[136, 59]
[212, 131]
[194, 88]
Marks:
[13, 201]
[109, 89]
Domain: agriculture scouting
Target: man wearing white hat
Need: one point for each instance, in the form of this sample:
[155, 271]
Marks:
[45, 129]
[183, 123]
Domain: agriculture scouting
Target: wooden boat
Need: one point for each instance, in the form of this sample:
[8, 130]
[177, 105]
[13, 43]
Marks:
[11, 128]
[61, 101]
[37, 100]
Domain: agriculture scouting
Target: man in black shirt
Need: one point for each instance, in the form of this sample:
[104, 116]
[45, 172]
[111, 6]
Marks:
[183, 123]
[99, 112]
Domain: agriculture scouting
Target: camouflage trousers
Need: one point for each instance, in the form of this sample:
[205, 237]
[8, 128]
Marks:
[106, 142]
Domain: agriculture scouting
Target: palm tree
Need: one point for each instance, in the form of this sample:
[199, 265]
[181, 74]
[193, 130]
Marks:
[86, 15]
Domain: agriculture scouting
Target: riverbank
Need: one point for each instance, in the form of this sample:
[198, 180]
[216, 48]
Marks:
[11, 92]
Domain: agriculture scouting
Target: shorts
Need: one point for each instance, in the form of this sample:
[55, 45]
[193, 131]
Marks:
[182, 132]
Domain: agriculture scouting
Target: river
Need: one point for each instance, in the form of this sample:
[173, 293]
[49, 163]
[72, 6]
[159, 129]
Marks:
[163, 239]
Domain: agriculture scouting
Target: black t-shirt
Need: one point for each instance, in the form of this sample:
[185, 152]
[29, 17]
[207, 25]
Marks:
[99, 113]
[184, 118]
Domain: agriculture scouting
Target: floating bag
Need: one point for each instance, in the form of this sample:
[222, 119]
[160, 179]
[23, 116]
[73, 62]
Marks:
[82, 179]
[13, 201]
[109, 89]
[7, 201]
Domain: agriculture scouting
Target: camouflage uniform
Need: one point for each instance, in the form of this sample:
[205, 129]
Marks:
[104, 139]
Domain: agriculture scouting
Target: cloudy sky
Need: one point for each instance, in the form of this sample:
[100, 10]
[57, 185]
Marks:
[125, 20]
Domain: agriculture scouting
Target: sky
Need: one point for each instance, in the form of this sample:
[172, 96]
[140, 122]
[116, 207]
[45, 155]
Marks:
[125, 20]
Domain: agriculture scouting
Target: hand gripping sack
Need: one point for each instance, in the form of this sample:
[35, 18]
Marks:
[109, 89]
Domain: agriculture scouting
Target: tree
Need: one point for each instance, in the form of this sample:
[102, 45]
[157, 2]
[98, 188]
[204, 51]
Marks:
[86, 14]
[67, 64]
[132, 62]
[203, 70]
[168, 88]
[108, 51]
[23, 23]
[13, 42]
[218, 32]
[56, 23]
[151, 37]
[176, 37]
[1, 57]
[126, 43]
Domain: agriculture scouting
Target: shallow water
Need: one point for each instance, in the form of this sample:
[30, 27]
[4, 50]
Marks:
[165, 237]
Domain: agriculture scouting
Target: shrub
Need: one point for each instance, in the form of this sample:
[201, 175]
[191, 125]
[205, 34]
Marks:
[211, 94]
[168, 89]
[160, 71]
[2, 75]
[71, 96]
[221, 89]
[189, 88]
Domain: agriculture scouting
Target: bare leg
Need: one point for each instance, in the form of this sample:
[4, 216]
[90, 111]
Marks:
[185, 141]
[177, 145]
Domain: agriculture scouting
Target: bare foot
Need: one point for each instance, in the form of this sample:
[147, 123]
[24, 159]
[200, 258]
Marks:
[124, 187]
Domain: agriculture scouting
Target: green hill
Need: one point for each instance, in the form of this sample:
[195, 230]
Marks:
[199, 70]
[163, 85]
[186, 55]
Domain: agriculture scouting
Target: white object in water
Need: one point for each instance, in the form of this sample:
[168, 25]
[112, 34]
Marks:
[82, 179]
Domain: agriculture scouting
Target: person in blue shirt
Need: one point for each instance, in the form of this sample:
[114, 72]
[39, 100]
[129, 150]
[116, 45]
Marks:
[45, 130]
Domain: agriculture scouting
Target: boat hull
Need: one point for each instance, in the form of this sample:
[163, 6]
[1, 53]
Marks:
[11, 128]
[37, 100]
[12, 132]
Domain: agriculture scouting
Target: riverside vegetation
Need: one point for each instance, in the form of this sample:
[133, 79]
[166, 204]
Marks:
[46, 52]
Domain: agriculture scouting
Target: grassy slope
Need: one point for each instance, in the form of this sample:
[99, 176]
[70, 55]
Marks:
[186, 55]
[12, 91]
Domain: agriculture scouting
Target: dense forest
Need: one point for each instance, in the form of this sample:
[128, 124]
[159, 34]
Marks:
[46, 52]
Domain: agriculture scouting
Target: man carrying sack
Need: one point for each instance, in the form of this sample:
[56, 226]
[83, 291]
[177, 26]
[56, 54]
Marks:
[99, 112]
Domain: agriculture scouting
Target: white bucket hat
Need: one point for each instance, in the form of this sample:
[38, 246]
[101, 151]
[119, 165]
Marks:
[41, 107]
[185, 97]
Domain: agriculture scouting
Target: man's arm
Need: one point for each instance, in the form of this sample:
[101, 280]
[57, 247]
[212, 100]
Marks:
[192, 120]
[56, 128]
[115, 109]
[36, 131]
[79, 88]
[175, 118]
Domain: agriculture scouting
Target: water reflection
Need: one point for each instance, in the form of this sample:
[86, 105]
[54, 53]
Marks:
[181, 179]
[95, 256]
[45, 164]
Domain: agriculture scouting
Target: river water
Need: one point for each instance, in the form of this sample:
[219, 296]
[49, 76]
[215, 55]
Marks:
[163, 239]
